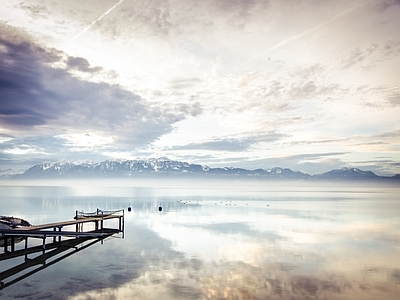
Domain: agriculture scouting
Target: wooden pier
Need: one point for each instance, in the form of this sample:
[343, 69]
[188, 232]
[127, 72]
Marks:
[39, 231]
[54, 248]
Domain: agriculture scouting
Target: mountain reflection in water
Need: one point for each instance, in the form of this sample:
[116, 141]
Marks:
[271, 242]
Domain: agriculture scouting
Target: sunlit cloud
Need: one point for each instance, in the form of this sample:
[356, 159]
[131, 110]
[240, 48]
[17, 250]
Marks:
[88, 139]
[21, 151]
[206, 82]
[95, 21]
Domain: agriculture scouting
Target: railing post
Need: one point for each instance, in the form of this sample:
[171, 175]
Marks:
[102, 217]
[77, 224]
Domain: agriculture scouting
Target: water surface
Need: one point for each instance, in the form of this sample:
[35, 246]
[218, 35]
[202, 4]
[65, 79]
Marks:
[235, 240]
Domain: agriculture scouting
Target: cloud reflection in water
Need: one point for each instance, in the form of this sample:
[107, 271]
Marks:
[316, 247]
[248, 253]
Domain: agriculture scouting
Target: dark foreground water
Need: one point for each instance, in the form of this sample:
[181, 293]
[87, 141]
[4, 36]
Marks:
[225, 241]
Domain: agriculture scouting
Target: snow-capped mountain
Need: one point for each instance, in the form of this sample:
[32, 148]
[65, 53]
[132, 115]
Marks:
[131, 168]
[167, 167]
[349, 173]
[110, 168]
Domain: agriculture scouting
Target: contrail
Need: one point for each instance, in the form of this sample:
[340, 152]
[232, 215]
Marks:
[300, 35]
[95, 21]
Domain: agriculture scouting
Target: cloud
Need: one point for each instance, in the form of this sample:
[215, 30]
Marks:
[388, 3]
[315, 142]
[183, 83]
[39, 147]
[218, 144]
[231, 144]
[178, 60]
[391, 47]
[21, 85]
[304, 90]
[311, 156]
[41, 97]
[371, 55]
[394, 100]
[193, 109]
[388, 135]
[309, 72]
[356, 56]
[235, 228]
[175, 18]
[97, 20]
[35, 11]
[81, 64]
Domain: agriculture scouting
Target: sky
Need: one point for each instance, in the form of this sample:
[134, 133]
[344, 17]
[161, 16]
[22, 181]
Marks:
[309, 85]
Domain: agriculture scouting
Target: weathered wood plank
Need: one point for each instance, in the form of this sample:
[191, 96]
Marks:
[68, 223]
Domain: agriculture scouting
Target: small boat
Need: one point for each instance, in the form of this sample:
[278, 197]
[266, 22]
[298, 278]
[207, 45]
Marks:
[97, 214]
[8, 223]
[12, 222]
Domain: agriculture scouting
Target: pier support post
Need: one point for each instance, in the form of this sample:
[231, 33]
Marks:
[26, 248]
[44, 249]
[54, 237]
[122, 221]
[5, 244]
[12, 244]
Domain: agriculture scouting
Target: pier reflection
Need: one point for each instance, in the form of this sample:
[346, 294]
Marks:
[44, 257]
[19, 263]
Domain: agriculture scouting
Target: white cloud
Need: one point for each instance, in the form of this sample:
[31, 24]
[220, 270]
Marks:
[159, 76]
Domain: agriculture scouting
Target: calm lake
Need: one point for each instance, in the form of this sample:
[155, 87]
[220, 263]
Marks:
[221, 240]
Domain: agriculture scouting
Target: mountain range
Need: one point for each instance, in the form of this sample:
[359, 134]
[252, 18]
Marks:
[166, 167]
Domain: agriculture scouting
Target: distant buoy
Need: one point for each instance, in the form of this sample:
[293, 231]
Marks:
[160, 208]
[129, 208]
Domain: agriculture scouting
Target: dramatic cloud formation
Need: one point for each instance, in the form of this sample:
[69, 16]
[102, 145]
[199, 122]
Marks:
[308, 85]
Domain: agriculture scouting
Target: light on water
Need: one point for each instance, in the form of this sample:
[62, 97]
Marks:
[220, 241]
